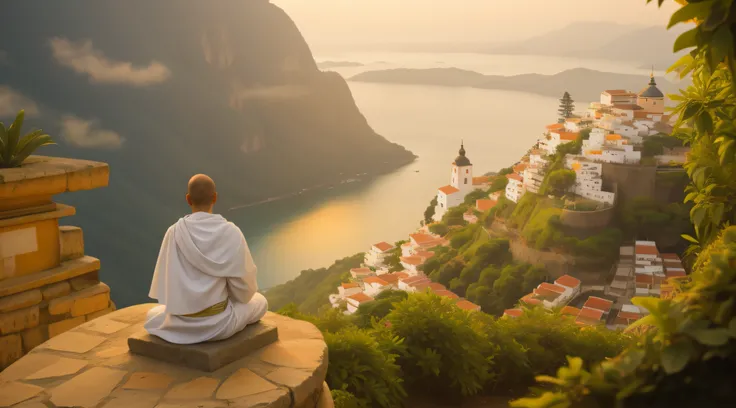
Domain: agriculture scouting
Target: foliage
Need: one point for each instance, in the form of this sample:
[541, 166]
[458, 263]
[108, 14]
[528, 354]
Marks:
[505, 171]
[454, 216]
[364, 367]
[560, 181]
[444, 348]
[462, 237]
[14, 149]
[321, 282]
[567, 106]
[439, 229]
[644, 218]
[499, 287]
[654, 145]
[379, 308]
[344, 399]
[475, 195]
[393, 259]
[429, 212]
[585, 133]
[498, 184]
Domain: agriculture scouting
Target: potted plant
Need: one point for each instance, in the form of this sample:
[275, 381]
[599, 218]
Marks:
[15, 149]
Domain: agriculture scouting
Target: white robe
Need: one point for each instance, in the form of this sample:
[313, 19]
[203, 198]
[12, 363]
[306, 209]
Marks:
[204, 260]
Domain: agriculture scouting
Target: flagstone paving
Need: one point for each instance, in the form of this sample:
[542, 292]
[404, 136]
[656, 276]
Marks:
[91, 366]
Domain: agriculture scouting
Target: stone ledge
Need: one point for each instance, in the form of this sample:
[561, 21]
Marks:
[43, 175]
[209, 356]
[61, 211]
[90, 366]
[65, 271]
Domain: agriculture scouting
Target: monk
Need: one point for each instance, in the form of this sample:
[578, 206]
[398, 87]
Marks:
[205, 277]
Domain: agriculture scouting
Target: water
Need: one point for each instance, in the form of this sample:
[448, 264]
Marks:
[315, 229]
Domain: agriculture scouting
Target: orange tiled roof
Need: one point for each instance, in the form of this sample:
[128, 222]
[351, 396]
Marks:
[422, 238]
[570, 311]
[551, 287]
[433, 286]
[484, 205]
[597, 303]
[618, 92]
[627, 106]
[376, 280]
[670, 256]
[530, 300]
[383, 246]
[419, 282]
[349, 285]
[360, 297]
[467, 305]
[642, 278]
[513, 312]
[555, 126]
[448, 190]
[481, 180]
[519, 167]
[446, 293]
[628, 315]
[412, 279]
[567, 281]
[613, 136]
[514, 177]
[589, 316]
[646, 250]
[412, 260]
[424, 254]
[361, 270]
[567, 135]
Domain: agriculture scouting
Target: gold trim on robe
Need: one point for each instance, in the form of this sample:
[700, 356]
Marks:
[210, 311]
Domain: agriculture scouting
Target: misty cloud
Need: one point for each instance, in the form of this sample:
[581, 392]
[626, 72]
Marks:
[84, 59]
[88, 134]
[11, 102]
[274, 93]
[217, 49]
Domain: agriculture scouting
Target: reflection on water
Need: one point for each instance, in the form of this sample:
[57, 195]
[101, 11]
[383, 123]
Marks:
[316, 228]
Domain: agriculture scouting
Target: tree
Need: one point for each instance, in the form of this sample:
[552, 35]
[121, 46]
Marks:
[429, 212]
[567, 106]
[14, 149]
[560, 181]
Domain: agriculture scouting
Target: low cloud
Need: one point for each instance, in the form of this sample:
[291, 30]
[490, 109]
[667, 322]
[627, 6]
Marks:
[88, 134]
[275, 93]
[12, 101]
[84, 59]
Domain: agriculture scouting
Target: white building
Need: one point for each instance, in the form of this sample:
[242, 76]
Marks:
[533, 178]
[461, 183]
[515, 187]
[354, 301]
[373, 285]
[361, 273]
[617, 97]
[348, 289]
[375, 257]
[588, 180]
[555, 136]
[609, 148]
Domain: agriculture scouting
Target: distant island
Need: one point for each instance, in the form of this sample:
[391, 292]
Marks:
[584, 84]
[338, 64]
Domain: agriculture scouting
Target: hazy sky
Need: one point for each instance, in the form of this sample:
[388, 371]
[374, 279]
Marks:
[334, 22]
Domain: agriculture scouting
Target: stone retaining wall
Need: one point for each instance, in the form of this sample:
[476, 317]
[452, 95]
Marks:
[587, 219]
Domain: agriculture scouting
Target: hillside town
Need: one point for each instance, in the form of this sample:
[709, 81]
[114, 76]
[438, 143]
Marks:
[615, 129]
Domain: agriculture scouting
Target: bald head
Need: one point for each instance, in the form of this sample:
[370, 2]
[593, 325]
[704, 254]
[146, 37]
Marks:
[201, 193]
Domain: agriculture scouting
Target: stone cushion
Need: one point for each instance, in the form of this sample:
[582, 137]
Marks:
[205, 356]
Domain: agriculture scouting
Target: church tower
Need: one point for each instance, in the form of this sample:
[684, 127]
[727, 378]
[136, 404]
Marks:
[462, 172]
[651, 98]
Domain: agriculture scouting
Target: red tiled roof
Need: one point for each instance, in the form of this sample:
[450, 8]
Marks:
[446, 293]
[514, 177]
[567, 281]
[466, 305]
[519, 167]
[627, 106]
[484, 205]
[361, 270]
[553, 288]
[412, 260]
[383, 246]
[360, 297]
[419, 282]
[448, 190]
[676, 274]
[412, 279]
[424, 254]
[642, 278]
[546, 294]
[567, 135]
[597, 303]
[513, 312]
[646, 250]
[589, 316]
[529, 300]
[422, 238]
[376, 280]
[555, 126]
[628, 315]
[349, 285]
[481, 180]
[433, 286]
[570, 311]
[392, 277]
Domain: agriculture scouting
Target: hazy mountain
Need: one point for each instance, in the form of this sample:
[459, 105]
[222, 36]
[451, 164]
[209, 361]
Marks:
[165, 89]
[584, 85]
[338, 64]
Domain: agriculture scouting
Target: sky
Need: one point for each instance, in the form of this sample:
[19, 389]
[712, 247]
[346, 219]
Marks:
[355, 22]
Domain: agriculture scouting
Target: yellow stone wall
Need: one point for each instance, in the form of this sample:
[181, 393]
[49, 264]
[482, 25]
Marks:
[47, 284]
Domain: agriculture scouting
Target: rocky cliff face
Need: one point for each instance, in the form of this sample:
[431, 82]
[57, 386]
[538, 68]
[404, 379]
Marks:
[164, 89]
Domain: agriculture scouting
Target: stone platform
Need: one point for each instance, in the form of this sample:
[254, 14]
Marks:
[91, 366]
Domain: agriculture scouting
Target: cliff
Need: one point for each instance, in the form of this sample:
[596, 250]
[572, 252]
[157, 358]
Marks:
[162, 90]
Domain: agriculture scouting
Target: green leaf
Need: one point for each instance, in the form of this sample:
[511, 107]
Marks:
[716, 17]
[676, 356]
[691, 110]
[550, 379]
[27, 138]
[721, 46]
[698, 215]
[546, 400]
[649, 303]
[688, 39]
[690, 11]
[13, 135]
[711, 337]
[732, 327]
[704, 122]
[29, 148]
[3, 135]
[683, 66]
[717, 216]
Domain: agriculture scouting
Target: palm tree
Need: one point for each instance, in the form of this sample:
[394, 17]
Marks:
[15, 149]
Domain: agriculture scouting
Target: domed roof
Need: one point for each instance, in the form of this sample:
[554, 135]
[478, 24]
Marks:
[461, 160]
[651, 91]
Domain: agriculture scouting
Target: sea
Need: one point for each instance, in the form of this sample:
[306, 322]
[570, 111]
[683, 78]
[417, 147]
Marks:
[314, 229]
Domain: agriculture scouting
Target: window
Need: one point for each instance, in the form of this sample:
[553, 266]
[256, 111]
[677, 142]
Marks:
[442, 205]
[466, 180]
[466, 171]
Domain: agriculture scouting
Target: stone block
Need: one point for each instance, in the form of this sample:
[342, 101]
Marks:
[11, 349]
[34, 337]
[65, 271]
[89, 305]
[207, 356]
[30, 248]
[57, 328]
[67, 303]
[18, 320]
[56, 290]
[20, 300]
[109, 309]
[85, 281]
[72, 242]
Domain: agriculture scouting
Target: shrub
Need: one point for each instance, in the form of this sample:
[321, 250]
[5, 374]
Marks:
[344, 399]
[14, 149]
[439, 229]
[446, 349]
[379, 308]
[359, 365]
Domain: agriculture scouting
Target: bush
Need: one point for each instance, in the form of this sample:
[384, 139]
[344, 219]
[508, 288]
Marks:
[429, 212]
[359, 365]
[454, 216]
[344, 399]
[439, 229]
[446, 349]
[462, 237]
[379, 308]
[498, 184]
